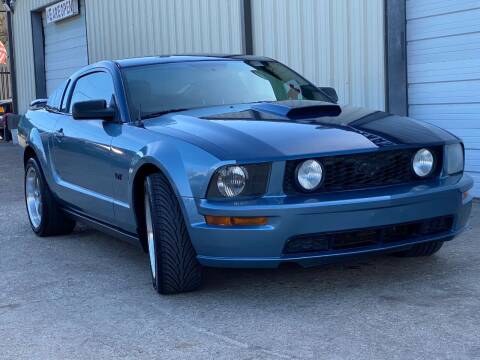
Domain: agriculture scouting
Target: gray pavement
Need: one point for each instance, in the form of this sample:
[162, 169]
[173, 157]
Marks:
[88, 296]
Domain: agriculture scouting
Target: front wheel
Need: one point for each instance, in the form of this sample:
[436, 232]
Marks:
[173, 261]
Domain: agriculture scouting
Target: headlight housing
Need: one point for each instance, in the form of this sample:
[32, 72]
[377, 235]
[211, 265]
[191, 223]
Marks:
[423, 163]
[309, 175]
[231, 180]
[455, 158]
[239, 181]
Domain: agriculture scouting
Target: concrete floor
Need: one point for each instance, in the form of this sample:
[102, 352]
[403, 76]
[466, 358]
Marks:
[89, 296]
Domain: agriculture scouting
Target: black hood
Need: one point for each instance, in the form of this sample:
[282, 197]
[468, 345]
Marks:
[294, 129]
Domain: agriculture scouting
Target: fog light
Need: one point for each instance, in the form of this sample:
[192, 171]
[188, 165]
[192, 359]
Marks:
[309, 175]
[423, 163]
[235, 221]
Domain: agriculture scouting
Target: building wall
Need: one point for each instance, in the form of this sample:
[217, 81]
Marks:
[65, 47]
[126, 28]
[22, 34]
[443, 51]
[338, 43]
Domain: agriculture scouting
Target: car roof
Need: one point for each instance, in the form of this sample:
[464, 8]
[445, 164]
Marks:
[184, 58]
[164, 59]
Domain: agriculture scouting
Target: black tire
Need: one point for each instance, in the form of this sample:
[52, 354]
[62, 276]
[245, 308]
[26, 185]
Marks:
[177, 268]
[425, 249]
[53, 220]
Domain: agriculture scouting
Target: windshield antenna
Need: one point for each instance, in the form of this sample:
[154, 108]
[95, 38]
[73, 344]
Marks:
[139, 121]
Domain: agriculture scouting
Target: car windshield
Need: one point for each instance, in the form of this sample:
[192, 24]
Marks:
[161, 88]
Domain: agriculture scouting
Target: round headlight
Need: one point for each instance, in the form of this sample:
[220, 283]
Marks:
[231, 180]
[423, 163]
[310, 175]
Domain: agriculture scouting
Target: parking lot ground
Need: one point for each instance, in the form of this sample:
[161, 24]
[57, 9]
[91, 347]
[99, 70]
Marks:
[88, 296]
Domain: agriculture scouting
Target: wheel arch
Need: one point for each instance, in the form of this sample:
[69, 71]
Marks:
[28, 153]
[35, 147]
[187, 169]
[141, 174]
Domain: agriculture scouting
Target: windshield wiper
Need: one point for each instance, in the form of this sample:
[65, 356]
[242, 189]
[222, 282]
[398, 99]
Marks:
[160, 113]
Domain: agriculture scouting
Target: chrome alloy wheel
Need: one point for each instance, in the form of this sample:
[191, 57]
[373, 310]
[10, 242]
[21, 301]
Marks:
[33, 194]
[150, 238]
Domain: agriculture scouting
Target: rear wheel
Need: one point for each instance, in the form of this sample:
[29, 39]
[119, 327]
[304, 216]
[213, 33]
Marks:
[425, 249]
[45, 216]
[173, 261]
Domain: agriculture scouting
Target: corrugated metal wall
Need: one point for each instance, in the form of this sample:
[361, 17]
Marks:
[126, 28]
[337, 43]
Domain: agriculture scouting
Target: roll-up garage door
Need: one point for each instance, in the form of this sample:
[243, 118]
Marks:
[65, 48]
[444, 70]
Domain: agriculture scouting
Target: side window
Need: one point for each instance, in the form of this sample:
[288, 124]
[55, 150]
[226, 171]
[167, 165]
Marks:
[55, 99]
[63, 106]
[94, 86]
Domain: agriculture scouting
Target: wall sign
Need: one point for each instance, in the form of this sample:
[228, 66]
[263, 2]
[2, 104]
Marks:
[61, 10]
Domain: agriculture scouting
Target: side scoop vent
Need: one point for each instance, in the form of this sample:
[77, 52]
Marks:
[299, 110]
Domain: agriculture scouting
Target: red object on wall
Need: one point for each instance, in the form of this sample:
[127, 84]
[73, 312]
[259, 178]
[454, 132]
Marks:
[3, 54]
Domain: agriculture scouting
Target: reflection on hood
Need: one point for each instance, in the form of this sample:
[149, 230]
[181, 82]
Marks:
[293, 128]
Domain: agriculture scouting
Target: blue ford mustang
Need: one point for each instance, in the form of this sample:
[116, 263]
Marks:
[236, 161]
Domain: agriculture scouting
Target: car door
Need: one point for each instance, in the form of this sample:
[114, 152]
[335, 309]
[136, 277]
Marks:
[82, 151]
[46, 119]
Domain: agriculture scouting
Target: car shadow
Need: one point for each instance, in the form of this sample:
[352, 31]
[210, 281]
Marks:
[376, 273]
[373, 271]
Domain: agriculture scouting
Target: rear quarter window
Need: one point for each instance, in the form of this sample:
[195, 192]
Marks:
[55, 99]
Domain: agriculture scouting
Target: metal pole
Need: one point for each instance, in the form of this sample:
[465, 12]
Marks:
[247, 27]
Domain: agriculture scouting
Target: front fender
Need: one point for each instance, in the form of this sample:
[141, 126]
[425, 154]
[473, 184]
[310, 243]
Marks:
[38, 141]
[186, 166]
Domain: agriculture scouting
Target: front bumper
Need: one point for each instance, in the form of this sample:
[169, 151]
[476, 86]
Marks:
[293, 216]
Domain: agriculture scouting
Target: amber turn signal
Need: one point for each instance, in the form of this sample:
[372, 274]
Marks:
[235, 221]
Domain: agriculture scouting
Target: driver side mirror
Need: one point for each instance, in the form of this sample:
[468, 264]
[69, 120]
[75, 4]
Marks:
[92, 109]
[330, 92]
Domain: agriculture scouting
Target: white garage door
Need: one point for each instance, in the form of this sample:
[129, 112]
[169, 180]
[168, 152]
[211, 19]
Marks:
[65, 48]
[444, 70]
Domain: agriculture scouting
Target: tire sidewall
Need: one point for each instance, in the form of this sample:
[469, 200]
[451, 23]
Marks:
[155, 279]
[177, 267]
[32, 163]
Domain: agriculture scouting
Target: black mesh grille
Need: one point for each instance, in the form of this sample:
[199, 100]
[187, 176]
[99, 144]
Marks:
[360, 171]
[367, 237]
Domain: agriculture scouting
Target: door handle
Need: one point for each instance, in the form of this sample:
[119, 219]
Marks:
[59, 134]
